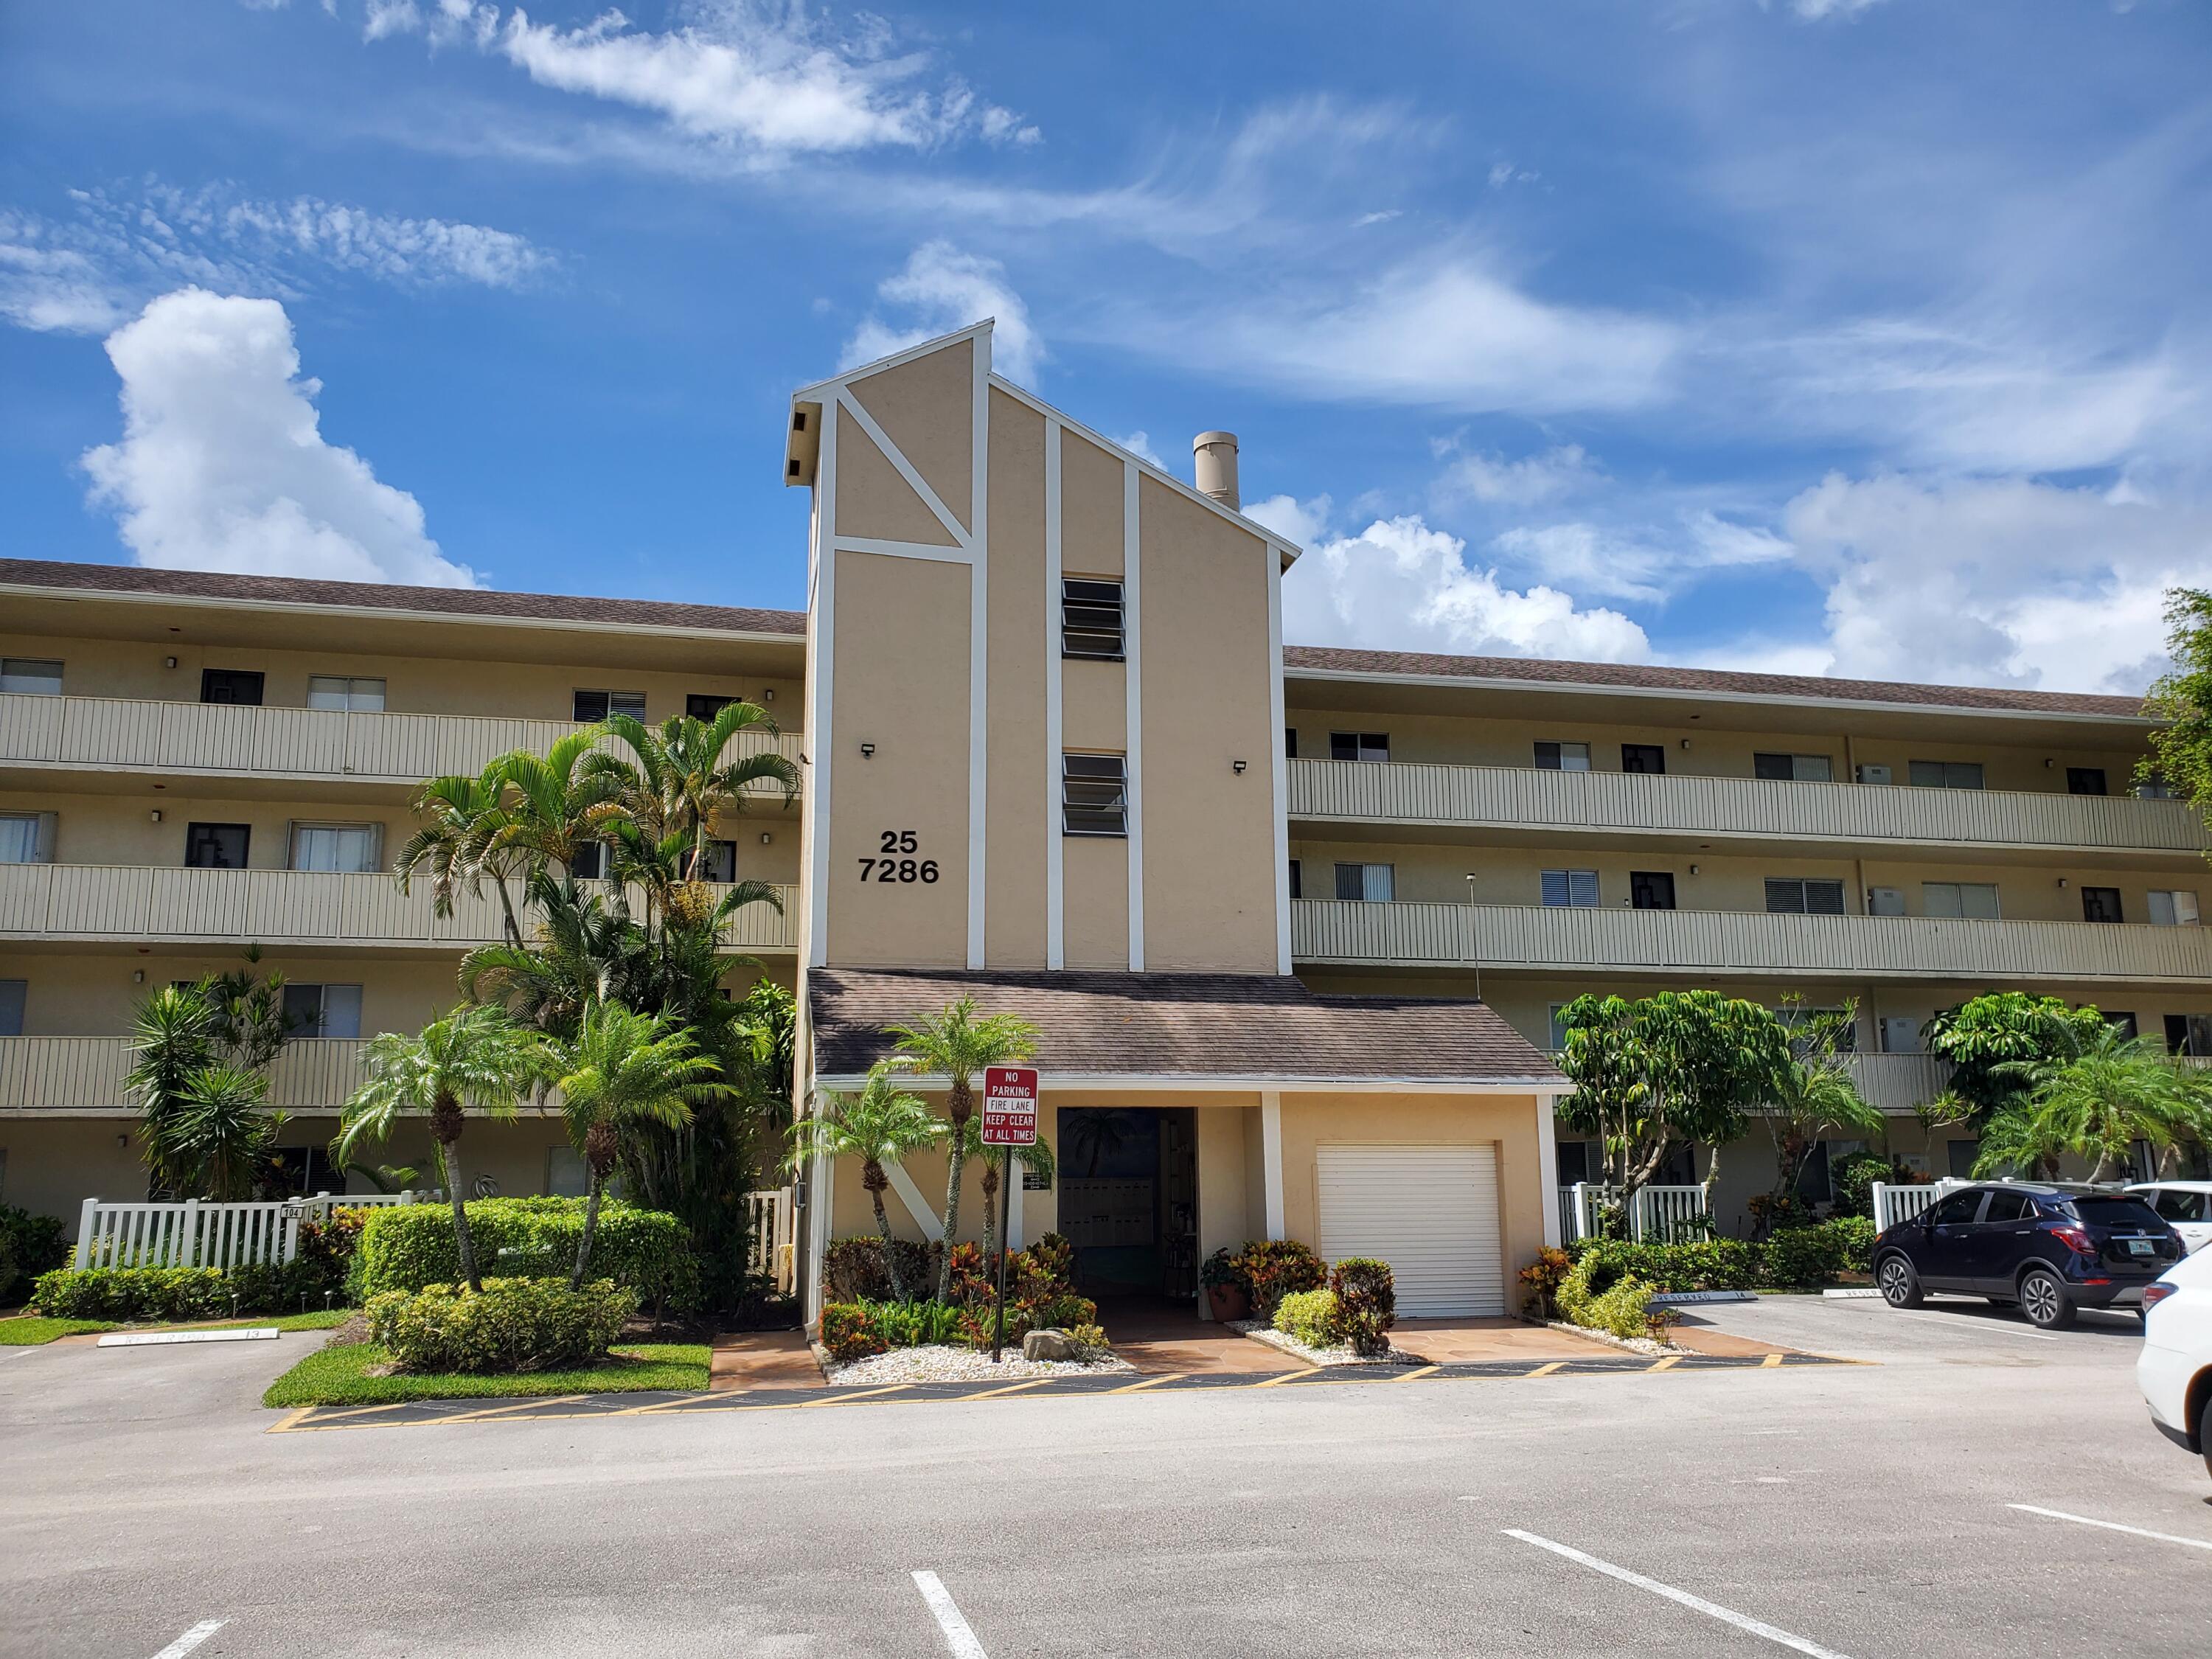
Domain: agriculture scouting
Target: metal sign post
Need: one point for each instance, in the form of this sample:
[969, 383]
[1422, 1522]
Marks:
[1010, 1106]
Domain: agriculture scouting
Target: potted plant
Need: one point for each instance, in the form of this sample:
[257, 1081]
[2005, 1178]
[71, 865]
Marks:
[1227, 1295]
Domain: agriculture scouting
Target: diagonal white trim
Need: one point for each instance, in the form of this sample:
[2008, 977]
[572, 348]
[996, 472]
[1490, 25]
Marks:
[896, 457]
[905, 549]
[1279, 771]
[1055, 928]
[925, 1216]
[1133, 677]
[979, 646]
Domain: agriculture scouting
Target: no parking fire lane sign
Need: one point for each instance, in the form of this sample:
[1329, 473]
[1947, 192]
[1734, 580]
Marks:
[1010, 1105]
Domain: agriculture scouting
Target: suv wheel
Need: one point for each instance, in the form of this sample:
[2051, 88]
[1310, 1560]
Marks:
[1901, 1285]
[2044, 1299]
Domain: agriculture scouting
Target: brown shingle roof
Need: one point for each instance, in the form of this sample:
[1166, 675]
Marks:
[1647, 678]
[442, 601]
[1172, 1025]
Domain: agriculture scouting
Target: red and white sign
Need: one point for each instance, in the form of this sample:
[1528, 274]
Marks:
[1010, 1105]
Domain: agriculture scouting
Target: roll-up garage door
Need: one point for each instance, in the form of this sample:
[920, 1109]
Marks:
[1429, 1211]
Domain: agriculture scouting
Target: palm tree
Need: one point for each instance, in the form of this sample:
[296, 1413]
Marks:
[2019, 1138]
[678, 780]
[956, 1045]
[221, 1133]
[882, 1124]
[1814, 1094]
[550, 806]
[459, 814]
[172, 1039]
[623, 1070]
[1036, 1159]
[2118, 1090]
[474, 1058]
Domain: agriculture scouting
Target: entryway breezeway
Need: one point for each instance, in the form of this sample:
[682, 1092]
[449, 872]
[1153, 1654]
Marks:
[1431, 1212]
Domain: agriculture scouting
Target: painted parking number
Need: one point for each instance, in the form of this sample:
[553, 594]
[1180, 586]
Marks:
[896, 863]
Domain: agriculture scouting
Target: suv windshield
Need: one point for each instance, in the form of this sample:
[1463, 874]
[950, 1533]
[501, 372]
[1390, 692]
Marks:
[2118, 1213]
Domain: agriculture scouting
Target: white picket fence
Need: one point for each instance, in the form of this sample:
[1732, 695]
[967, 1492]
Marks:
[1893, 1203]
[1658, 1214]
[773, 1236]
[194, 1234]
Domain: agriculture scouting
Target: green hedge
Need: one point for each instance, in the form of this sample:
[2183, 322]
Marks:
[126, 1294]
[410, 1247]
[1600, 1297]
[30, 1246]
[1790, 1258]
[512, 1324]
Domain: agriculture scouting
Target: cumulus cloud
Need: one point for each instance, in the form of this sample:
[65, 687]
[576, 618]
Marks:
[89, 273]
[1647, 564]
[1139, 444]
[773, 81]
[1400, 584]
[222, 464]
[940, 290]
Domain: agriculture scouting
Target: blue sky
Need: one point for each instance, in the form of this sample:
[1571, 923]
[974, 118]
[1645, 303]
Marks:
[1855, 336]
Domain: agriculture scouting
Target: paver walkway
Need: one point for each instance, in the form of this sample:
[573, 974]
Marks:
[764, 1359]
[1454, 1342]
[1161, 1340]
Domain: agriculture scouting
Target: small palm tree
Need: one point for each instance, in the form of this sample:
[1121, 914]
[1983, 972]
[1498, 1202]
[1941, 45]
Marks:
[1814, 1094]
[956, 1045]
[679, 778]
[475, 1058]
[550, 804]
[1036, 1159]
[172, 1041]
[222, 1132]
[458, 815]
[2118, 1090]
[621, 1071]
[882, 1124]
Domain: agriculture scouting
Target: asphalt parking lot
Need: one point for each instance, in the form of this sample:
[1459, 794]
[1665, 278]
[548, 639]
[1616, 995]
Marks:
[1857, 1510]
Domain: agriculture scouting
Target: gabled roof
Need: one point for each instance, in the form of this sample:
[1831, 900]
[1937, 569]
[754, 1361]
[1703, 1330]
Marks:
[1248, 1030]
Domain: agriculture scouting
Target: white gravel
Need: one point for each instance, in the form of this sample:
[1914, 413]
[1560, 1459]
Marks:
[1275, 1339]
[1633, 1344]
[946, 1364]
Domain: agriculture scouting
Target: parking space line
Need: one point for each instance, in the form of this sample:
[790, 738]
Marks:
[1666, 1364]
[1545, 1370]
[1970, 1325]
[1418, 1370]
[957, 1637]
[1149, 1383]
[2113, 1526]
[191, 1639]
[1010, 1388]
[1696, 1603]
[1770, 1361]
[1281, 1378]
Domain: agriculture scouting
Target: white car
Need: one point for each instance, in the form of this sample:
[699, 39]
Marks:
[2175, 1369]
[2184, 1205]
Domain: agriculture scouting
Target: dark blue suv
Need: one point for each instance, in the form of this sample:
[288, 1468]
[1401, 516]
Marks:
[2052, 1248]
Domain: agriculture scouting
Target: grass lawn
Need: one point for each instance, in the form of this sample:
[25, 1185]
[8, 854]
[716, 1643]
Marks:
[30, 1331]
[340, 1376]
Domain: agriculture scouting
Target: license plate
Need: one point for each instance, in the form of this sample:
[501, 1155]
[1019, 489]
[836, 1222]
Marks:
[2142, 1247]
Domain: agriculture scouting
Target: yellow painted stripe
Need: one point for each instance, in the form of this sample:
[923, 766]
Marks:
[324, 1414]
[843, 1396]
[1668, 1363]
[1770, 1361]
[1149, 1383]
[1010, 1388]
[290, 1418]
[1286, 1376]
[1418, 1370]
[514, 1405]
[1545, 1370]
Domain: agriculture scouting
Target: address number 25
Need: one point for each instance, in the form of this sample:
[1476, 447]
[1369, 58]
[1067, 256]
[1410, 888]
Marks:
[891, 867]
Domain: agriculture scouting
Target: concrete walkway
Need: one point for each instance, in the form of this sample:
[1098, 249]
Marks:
[1456, 1341]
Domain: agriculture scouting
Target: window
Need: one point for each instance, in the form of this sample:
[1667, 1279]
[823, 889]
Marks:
[1573, 1158]
[323, 1011]
[1297, 879]
[2173, 908]
[2174, 1205]
[1960, 1208]
[1651, 889]
[1290, 742]
[2189, 1034]
[2005, 1206]
[1094, 794]
[216, 846]
[1574, 890]
[35, 677]
[2153, 789]
[242, 686]
[1798, 896]
[12, 993]
[1885, 901]
[567, 1175]
[705, 705]
[27, 837]
[1562, 757]
[1961, 1155]
[590, 863]
[1370, 883]
[1559, 1030]
[1359, 745]
[2085, 781]
[2101, 904]
[591, 707]
[2123, 1025]
[721, 863]
[1090, 618]
[354, 848]
[1643, 757]
[1975, 900]
[350, 693]
[1945, 774]
[1793, 768]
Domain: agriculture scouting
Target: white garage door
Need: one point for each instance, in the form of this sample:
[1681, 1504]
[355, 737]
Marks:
[1429, 1211]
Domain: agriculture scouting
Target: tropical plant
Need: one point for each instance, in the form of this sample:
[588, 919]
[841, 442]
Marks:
[547, 805]
[1994, 1042]
[1036, 1159]
[197, 1054]
[457, 815]
[1672, 1068]
[882, 1124]
[621, 1071]
[475, 1058]
[679, 779]
[955, 1045]
[1814, 1096]
[220, 1133]
[2097, 1104]
[2180, 701]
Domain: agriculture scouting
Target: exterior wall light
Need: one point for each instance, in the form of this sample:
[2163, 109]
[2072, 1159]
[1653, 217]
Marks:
[154, 817]
[1685, 743]
[867, 751]
[168, 662]
[1237, 766]
[766, 838]
[2061, 881]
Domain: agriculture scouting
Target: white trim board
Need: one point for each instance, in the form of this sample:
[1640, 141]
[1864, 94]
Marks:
[1278, 770]
[1133, 678]
[822, 388]
[1241, 1083]
[1055, 671]
[822, 674]
[904, 549]
[979, 654]
[924, 1213]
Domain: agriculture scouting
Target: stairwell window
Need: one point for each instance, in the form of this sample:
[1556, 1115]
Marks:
[1563, 757]
[1094, 794]
[1793, 768]
[31, 677]
[323, 1011]
[2101, 904]
[2173, 908]
[1572, 890]
[590, 707]
[1367, 883]
[27, 837]
[353, 693]
[1975, 901]
[1297, 879]
[345, 848]
[1801, 896]
[1359, 745]
[1944, 774]
[1092, 621]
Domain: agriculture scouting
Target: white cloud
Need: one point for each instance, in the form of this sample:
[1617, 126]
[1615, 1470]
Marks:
[1139, 444]
[1400, 584]
[1815, 11]
[222, 464]
[942, 289]
[89, 274]
[1591, 558]
[1303, 524]
[1495, 480]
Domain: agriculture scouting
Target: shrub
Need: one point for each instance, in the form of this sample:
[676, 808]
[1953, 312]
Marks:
[1856, 1233]
[1309, 1316]
[512, 1324]
[410, 1246]
[1854, 1181]
[1711, 1264]
[1602, 1298]
[130, 1294]
[1274, 1268]
[1543, 1277]
[848, 1331]
[1221, 1268]
[853, 1269]
[1366, 1303]
[1091, 1339]
[1806, 1256]
[30, 1245]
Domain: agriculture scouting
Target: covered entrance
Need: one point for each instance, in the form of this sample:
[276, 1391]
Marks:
[1128, 1201]
[1431, 1212]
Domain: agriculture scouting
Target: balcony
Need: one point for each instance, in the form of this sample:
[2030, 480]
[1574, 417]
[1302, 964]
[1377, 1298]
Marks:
[119, 734]
[138, 903]
[1538, 804]
[81, 1076]
[1513, 937]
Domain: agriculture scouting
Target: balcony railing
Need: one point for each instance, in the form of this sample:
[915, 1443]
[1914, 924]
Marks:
[221, 739]
[81, 1074]
[1400, 792]
[1723, 941]
[281, 907]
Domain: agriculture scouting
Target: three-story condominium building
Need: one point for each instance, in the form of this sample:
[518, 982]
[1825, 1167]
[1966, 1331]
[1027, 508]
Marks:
[1293, 923]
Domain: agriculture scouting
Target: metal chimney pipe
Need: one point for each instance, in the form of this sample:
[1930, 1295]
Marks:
[1216, 456]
